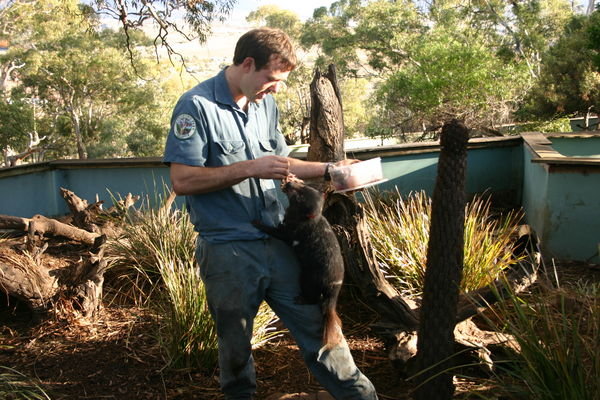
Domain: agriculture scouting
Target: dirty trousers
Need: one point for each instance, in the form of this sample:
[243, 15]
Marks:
[238, 276]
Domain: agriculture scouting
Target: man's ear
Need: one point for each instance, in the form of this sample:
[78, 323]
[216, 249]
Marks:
[248, 64]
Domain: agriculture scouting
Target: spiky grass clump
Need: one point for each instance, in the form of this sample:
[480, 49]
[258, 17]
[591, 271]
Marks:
[155, 256]
[400, 236]
[557, 332]
[135, 255]
[15, 385]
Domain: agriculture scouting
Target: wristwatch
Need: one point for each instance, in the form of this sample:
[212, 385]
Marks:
[327, 175]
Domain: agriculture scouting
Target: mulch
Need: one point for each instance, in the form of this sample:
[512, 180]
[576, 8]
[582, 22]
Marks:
[118, 355]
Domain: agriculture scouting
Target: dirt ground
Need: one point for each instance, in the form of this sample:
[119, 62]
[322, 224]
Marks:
[118, 356]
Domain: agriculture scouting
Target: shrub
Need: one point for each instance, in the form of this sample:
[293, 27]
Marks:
[557, 332]
[400, 234]
[155, 262]
[15, 385]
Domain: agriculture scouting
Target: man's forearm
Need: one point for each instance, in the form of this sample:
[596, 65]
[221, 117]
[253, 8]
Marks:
[188, 180]
[307, 169]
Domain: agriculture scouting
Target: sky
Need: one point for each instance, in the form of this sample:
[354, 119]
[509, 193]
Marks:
[304, 8]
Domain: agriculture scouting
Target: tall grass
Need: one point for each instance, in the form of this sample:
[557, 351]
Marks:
[400, 234]
[15, 385]
[155, 263]
[557, 332]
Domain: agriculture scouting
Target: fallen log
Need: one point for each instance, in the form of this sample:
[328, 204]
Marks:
[40, 225]
[13, 223]
[27, 282]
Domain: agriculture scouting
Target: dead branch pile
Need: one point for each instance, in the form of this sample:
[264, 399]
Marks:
[25, 276]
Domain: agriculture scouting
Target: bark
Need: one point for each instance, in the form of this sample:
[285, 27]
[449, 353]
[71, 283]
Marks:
[445, 255]
[326, 119]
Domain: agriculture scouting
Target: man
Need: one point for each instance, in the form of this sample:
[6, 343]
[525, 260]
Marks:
[225, 150]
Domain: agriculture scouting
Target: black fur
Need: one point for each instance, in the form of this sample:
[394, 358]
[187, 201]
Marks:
[318, 251]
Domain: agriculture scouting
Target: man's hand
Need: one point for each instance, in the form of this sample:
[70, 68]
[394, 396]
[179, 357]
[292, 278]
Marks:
[270, 167]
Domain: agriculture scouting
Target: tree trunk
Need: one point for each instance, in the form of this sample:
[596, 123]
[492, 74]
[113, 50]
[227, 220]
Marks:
[76, 121]
[445, 255]
[326, 119]
[344, 212]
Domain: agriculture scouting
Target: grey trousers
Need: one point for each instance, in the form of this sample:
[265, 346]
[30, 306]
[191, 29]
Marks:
[238, 276]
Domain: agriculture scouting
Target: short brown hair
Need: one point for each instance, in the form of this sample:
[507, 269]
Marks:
[264, 44]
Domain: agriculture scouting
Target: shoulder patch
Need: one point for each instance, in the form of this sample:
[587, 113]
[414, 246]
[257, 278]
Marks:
[184, 126]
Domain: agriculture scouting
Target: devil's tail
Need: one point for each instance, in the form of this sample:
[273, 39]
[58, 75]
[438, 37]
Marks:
[332, 324]
[332, 331]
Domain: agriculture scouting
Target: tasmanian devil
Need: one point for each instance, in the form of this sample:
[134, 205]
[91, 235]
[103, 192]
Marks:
[318, 252]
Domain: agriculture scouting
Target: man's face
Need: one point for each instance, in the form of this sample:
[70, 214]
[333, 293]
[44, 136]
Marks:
[256, 84]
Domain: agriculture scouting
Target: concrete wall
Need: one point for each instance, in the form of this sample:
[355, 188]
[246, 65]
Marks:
[560, 195]
[493, 165]
[561, 199]
[495, 168]
[35, 189]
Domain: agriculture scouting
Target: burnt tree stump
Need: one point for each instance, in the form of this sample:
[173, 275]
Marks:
[445, 257]
[326, 135]
[344, 212]
[400, 315]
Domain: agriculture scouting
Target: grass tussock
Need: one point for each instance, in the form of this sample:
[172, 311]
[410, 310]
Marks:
[154, 262]
[557, 331]
[556, 328]
[400, 235]
[15, 385]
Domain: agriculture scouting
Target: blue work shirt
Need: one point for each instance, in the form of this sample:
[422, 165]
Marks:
[209, 129]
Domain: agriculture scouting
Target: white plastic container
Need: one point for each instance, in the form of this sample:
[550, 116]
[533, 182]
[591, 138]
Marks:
[357, 176]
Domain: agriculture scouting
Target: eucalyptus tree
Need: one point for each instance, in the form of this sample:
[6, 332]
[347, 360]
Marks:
[473, 60]
[190, 19]
[569, 81]
[25, 128]
[77, 86]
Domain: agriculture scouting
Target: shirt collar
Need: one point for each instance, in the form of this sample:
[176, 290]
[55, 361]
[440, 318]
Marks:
[222, 92]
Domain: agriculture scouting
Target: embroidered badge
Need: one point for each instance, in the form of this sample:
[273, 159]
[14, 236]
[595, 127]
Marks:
[184, 126]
